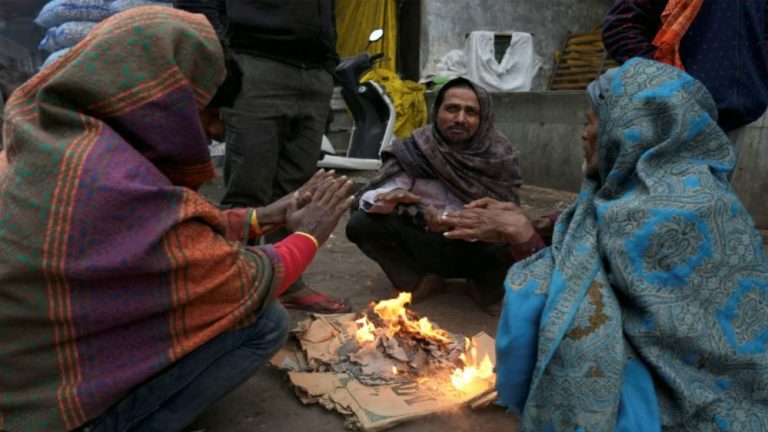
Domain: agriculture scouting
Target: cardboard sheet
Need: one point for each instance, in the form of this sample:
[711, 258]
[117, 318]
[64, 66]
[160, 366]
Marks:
[309, 361]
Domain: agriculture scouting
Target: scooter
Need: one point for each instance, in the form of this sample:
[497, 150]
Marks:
[373, 115]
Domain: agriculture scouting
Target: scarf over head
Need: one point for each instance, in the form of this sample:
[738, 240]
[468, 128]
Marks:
[486, 167]
[649, 308]
[111, 266]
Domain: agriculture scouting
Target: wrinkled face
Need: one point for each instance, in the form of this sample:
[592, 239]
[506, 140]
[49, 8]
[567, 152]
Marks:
[212, 124]
[458, 118]
[589, 136]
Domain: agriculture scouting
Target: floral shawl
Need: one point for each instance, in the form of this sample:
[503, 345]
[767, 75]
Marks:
[650, 309]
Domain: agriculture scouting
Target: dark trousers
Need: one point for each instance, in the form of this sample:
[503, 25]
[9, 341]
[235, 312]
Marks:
[407, 252]
[273, 133]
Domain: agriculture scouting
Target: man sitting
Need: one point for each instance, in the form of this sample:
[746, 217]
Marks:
[440, 167]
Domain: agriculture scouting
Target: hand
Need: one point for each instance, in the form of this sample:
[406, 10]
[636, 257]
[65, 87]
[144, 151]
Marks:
[398, 196]
[490, 203]
[433, 221]
[505, 223]
[319, 216]
[544, 226]
[274, 215]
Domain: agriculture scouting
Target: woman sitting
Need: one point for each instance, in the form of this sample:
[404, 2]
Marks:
[650, 309]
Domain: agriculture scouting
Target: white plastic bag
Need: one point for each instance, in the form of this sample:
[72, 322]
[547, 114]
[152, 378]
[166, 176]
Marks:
[477, 62]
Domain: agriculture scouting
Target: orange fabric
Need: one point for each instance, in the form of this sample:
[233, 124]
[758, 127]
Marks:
[675, 21]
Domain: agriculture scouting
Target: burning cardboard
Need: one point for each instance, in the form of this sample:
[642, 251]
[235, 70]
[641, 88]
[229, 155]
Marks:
[387, 367]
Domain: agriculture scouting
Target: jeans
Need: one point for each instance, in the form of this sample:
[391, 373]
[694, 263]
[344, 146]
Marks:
[173, 399]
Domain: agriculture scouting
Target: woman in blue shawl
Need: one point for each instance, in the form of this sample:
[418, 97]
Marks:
[650, 309]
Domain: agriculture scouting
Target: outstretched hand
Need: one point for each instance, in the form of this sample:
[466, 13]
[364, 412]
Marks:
[320, 215]
[398, 196]
[274, 215]
[490, 221]
[433, 220]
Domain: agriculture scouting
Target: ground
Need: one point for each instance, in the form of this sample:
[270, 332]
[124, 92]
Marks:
[267, 402]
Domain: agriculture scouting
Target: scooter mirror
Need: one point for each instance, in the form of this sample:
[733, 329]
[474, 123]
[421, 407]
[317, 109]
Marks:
[376, 35]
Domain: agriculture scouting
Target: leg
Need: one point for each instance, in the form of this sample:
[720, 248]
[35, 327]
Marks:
[256, 127]
[174, 398]
[485, 276]
[380, 238]
[297, 161]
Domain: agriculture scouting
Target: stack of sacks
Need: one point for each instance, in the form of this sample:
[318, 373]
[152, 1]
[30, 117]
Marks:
[69, 21]
[118, 6]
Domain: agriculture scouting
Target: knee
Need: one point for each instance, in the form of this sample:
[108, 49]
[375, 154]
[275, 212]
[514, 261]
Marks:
[359, 226]
[274, 323]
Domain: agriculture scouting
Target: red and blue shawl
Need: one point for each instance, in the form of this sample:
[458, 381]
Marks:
[111, 266]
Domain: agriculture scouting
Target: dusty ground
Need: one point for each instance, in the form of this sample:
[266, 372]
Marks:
[266, 402]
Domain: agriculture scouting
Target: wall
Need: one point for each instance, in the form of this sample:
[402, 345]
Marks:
[750, 178]
[446, 22]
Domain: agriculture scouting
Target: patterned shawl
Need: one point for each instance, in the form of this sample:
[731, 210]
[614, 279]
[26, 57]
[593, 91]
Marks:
[111, 267]
[487, 167]
[651, 307]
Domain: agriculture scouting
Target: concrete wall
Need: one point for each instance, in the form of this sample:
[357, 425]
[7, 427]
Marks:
[546, 128]
[446, 22]
[751, 176]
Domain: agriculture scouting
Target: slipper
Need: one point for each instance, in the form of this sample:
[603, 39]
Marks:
[318, 303]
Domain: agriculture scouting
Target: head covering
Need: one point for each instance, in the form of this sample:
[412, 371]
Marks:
[649, 305]
[111, 266]
[486, 167]
[600, 87]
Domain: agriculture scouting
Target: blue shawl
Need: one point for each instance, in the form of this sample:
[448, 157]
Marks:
[650, 309]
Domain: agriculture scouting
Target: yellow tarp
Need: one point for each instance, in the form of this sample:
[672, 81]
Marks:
[356, 19]
[408, 98]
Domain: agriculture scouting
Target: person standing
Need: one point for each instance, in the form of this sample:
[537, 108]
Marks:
[286, 50]
[723, 44]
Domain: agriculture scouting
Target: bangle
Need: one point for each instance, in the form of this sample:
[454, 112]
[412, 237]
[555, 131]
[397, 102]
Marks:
[309, 236]
[252, 223]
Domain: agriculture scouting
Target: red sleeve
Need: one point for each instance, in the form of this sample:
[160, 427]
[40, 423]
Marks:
[523, 250]
[296, 251]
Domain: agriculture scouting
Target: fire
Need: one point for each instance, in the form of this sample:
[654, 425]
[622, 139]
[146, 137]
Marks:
[393, 318]
[366, 331]
[463, 378]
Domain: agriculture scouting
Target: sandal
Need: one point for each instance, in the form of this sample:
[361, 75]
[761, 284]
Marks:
[315, 302]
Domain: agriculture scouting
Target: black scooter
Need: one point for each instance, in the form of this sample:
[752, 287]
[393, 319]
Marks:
[373, 115]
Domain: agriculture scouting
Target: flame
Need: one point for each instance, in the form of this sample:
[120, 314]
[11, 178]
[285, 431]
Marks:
[393, 317]
[463, 378]
[366, 331]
